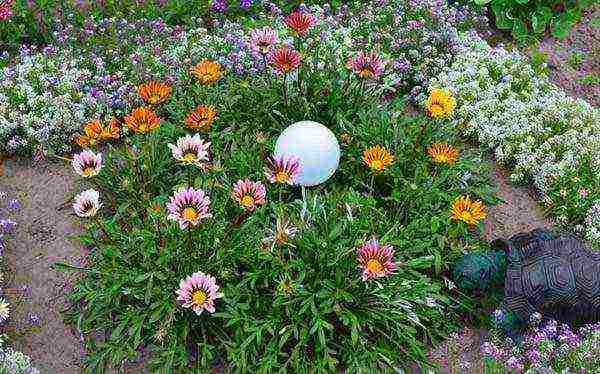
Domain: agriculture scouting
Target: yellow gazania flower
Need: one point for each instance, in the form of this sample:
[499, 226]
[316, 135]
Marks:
[440, 103]
[443, 153]
[154, 92]
[201, 118]
[142, 120]
[467, 210]
[377, 158]
[207, 71]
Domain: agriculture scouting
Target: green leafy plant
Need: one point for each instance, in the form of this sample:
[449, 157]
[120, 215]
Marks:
[525, 18]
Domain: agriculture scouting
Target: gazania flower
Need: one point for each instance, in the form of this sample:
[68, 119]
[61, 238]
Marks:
[300, 22]
[142, 120]
[87, 203]
[6, 9]
[376, 260]
[281, 233]
[366, 65]
[263, 40]
[249, 194]
[4, 307]
[188, 207]
[283, 169]
[199, 292]
[377, 158]
[190, 150]
[154, 92]
[284, 59]
[467, 210]
[440, 103]
[87, 163]
[443, 153]
[201, 118]
[94, 132]
[207, 71]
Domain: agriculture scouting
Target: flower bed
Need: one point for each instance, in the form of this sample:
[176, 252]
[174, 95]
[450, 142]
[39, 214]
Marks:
[545, 136]
[207, 255]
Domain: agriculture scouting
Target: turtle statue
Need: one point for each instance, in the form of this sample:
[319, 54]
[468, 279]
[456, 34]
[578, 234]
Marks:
[555, 276]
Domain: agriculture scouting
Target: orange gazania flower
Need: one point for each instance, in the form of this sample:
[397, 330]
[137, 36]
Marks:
[154, 92]
[377, 158]
[207, 71]
[467, 210]
[94, 132]
[284, 59]
[300, 22]
[440, 103]
[142, 120]
[201, 118]
[443, 153]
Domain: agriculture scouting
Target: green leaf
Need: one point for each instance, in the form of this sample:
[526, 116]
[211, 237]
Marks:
[520, 29]
[561, 27]
[503, 19]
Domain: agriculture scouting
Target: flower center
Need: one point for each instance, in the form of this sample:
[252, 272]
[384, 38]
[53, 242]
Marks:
[89, 171]
[367, 73]
[248, 201]
[189, 156]
[377, 164]
[154, 98]
[281, 177]
[374, 266]
[190, 214]
[199, 297]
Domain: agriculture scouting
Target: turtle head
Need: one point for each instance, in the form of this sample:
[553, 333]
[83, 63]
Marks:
[480, 271]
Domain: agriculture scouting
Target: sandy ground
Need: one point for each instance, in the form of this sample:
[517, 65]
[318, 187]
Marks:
[42, 238]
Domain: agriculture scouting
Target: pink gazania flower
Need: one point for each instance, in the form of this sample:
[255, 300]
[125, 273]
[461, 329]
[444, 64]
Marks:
[190, 150]
[366, 65]
[300, 22]
[6, 9]
[188, 207]
[285, 59]
[263, 40]
[199, 292]
[375, 260]
[87, 203]
[283, 169]
[87, 163]
[249, 194]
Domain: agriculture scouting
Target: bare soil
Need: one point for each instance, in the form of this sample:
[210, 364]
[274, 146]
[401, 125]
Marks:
[44, 233]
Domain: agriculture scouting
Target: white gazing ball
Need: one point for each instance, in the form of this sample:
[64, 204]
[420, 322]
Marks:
[317, 148]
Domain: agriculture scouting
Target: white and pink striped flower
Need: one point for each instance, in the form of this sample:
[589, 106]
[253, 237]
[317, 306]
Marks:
[283, 169]
[199, 292]
[249, 194]
[87, 203]
[376, 260]
[263, 40]
[87, 163]
[190, 150]
[188, 207]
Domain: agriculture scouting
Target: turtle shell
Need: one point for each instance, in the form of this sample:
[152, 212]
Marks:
[478, 271]
[558, 278]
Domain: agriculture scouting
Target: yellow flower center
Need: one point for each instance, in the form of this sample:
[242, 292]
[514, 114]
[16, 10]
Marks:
[281, 177]
[190, 214]
[366, 73]
[248, 201]
[377, 165]
[189, 157]
[154, 98]
[89, 171]
[374, 266]
[199, 297]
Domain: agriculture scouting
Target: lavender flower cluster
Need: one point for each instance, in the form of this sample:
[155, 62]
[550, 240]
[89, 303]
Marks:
[545, 346]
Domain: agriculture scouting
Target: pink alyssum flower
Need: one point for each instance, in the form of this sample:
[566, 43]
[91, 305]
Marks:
[249, 194]
[199, 292]
[188, 207]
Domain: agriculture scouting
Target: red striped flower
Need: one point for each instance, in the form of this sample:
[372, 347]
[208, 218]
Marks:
[284, 59]
[300, 22]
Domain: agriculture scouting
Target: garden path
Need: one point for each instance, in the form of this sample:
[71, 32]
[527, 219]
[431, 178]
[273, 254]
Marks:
[43, 237]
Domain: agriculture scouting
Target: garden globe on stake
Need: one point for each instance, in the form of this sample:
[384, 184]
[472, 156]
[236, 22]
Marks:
[316, 147]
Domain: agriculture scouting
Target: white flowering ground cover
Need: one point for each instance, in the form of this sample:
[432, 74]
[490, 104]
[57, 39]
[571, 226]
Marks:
[546, 137]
